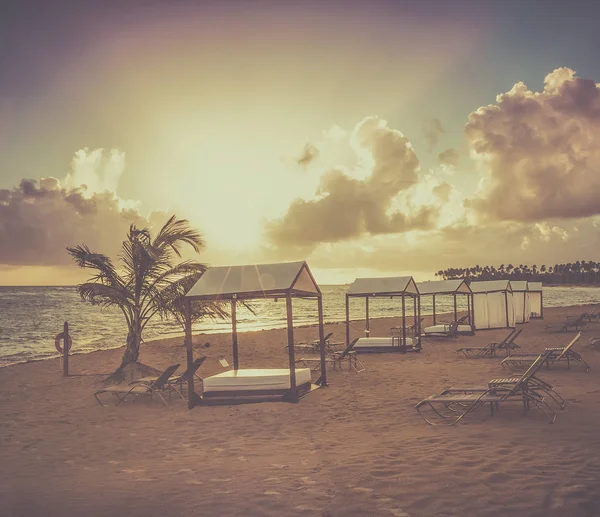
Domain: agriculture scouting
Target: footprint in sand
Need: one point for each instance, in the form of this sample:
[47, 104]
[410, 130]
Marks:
[397, 512]
[362, 489]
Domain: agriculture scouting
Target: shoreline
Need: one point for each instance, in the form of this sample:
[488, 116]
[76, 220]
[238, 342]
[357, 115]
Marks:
[180, 335]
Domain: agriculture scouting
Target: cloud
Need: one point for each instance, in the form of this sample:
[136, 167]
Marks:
[335, 133]
[39, 219]
[449, 157]
[346, 206]
[540, 151]
[432, 130]
[458, 245]
[309, 153]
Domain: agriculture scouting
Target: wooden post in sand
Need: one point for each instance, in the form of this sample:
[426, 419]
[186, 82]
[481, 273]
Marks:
[290, 333]
[367, 329]
[189, 353]
[234, 336]
[66, 348]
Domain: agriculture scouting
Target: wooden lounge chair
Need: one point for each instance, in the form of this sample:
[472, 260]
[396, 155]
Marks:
[478, 352]
[451, 406]
[158, 387]
[335, 359]
[557, 354]
[176, 380]
[446, 330]
[570, 322]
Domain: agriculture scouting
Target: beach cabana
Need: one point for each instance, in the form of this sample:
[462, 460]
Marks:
[536, 300]
[453, 288]
[391, 287]
[521, 301]
[492, 304]
[242, 283]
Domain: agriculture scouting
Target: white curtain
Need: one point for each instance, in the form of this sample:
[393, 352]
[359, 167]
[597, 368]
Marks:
[480, 311]
[527, 308]
[521, 306]
[510, 301]
[497, 310]
[535, 303]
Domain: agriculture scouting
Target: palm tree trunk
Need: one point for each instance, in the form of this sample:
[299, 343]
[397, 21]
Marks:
[132, 349]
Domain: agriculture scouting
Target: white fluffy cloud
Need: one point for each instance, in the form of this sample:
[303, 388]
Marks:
[540, 150]
[39, 219]
[373, 198]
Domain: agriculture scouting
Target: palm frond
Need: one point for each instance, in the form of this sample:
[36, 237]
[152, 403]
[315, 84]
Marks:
[87, 259]
[104, 295]
[176, 232]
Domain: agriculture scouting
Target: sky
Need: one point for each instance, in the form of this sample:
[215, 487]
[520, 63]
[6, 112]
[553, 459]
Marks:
[373, 138]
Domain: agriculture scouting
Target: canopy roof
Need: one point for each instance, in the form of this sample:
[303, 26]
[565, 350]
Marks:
[535, 286]
[390, 286]
[255, 281]
[491, 286]
[519, 285]
[444, 287]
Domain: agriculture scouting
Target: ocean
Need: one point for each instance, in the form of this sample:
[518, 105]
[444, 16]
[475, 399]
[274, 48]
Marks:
[30, 317]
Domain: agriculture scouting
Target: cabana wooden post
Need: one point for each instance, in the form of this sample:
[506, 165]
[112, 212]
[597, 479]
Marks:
[448, 287]
[391, 287]
[284, 280]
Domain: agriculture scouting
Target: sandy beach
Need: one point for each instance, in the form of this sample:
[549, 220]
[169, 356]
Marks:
[355, 448]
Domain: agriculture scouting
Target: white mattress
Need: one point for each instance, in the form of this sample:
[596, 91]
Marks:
[446, 328]
[249, 380]
[368, 342]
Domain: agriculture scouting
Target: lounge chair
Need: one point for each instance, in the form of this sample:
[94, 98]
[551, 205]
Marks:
[158, 387]
[446, 330]
[529, 378]
[557, 354]
[415, 330]
[176, 379]
[311, 346]
[478, 352]
[595, 342]
[575, 322]
[336, 359]
[450, 406]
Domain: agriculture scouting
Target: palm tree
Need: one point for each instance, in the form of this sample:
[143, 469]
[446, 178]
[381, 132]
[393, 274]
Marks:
[149, 282]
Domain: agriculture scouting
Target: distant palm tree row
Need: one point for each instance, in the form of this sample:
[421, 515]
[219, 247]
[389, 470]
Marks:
[580, 272]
